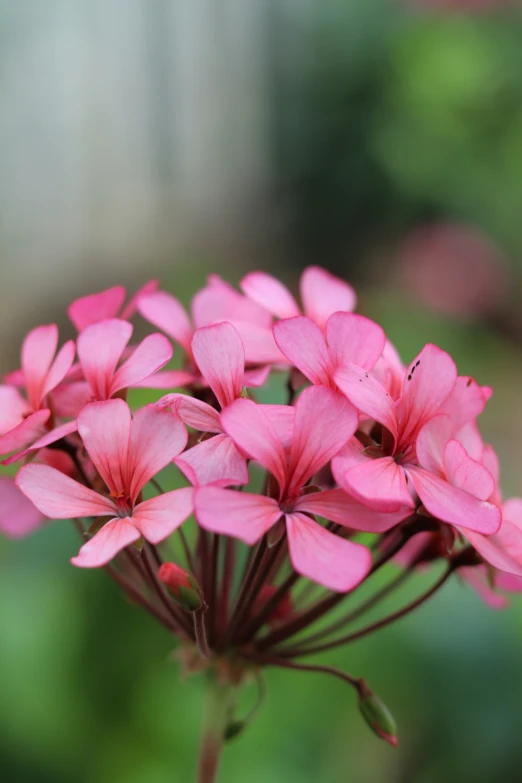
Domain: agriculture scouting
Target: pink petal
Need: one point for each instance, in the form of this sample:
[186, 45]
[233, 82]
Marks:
[491, 462]
[132, 305]
[323, 294]
[25, 433]
[60, 367]
[453, 505]
[466, 401]
[282, 419]
[167, 379]
[38, 350]
[471, 439]
[324, 422]
[256, 377]
[156, 437]
[503, 550]
[193, 412]
[214, 461]
[378, 483]
[304, 345]
[50, 437]
[111, 539]
[389, 370]
[509, 582]
[323, 557]
[15, 378]
[466, 473]
[166, 313]
[367, 394]
[219, 301]
[68, 399]
[354, 339]
[150, 355]
[96, 307]
[220, 356]
[271, 294]
[237, 514]
[18, 516]
[158, 517]
[104, 428]
[431, 443]
[430, 380]
[13, 408]
[351, 454]
[336, 506]
[250, 429]
[60, 497]
[100, 347]
[477, 578]
[258, 342]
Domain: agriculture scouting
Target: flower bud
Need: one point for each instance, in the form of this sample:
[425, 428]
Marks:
[377, 715]
[184, 587]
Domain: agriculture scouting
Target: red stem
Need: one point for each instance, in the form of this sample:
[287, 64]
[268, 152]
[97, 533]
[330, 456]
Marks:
[298, 652]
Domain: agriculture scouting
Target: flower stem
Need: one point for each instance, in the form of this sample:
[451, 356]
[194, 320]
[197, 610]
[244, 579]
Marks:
[215, 722]
[200, 632]
[297, 652]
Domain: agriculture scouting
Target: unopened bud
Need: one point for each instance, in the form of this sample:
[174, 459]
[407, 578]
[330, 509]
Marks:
[377, 715]
[184, 587]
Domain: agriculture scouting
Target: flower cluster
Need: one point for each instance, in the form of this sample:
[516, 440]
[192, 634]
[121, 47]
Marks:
[366, 462]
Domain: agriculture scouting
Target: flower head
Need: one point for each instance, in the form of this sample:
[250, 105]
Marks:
[127, 454]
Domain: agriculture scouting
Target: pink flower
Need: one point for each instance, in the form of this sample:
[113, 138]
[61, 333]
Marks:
[220, 358]
[347, 339]
[322, 294]
[488, 581]
[215, 303]
[101, 347]
[127, 454]
[23, 420]
[107, 304]
[416, 452]
[323, 423]
[503, 550]
[18, 516]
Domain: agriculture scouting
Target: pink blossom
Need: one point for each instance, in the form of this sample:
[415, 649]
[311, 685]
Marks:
[322, 294]
[323, 423]
[24, 419]
[106, 304]
[487, 582]
[101, 348]
[415, 452]
[18, 516]
[127, 454]
[215, 303]
[347, 339]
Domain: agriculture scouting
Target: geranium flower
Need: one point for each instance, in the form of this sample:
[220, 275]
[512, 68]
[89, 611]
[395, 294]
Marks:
[24, 419]
[127, 454]
[323, 423]
[106, 304]
[322, 294]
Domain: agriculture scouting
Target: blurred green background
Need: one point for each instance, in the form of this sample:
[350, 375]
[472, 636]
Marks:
[380, 139]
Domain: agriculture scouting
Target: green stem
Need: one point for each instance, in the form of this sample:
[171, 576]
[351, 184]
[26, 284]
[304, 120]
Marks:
[215, 723]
